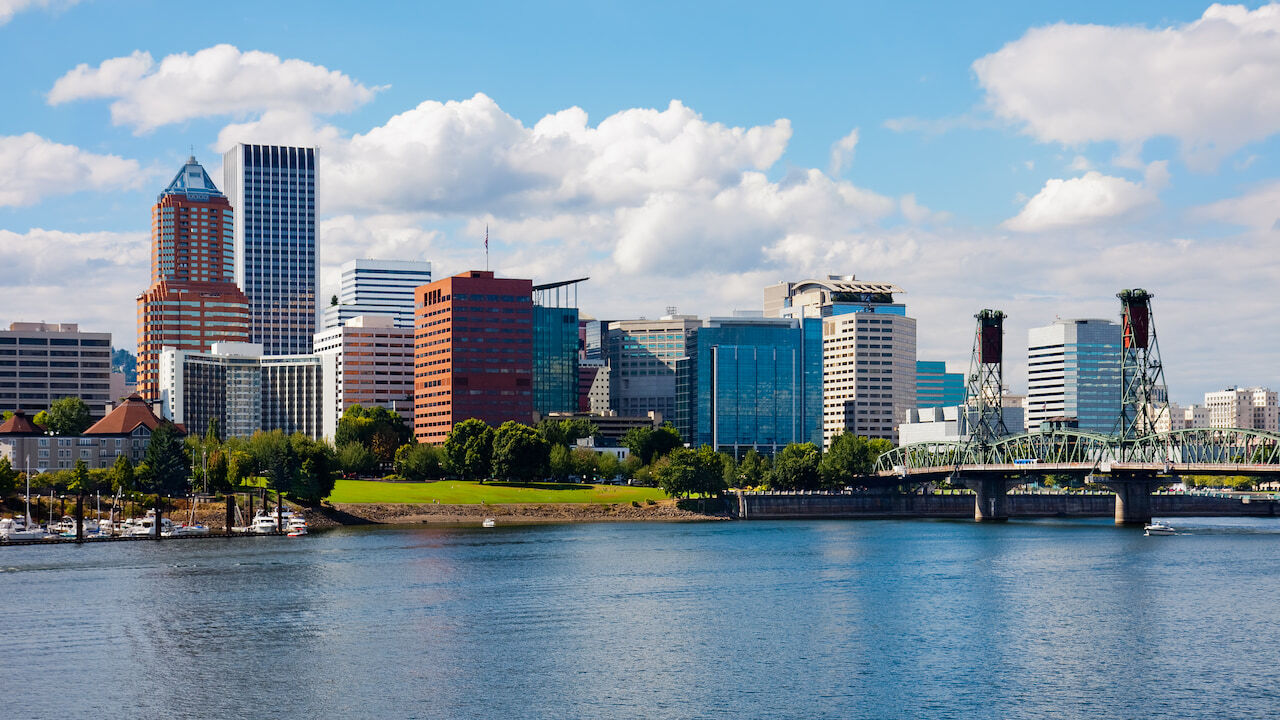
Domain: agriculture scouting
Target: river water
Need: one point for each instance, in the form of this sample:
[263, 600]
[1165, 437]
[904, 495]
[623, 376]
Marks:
[858, 619]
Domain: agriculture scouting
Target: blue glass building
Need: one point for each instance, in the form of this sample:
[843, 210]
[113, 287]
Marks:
[273, 191]
[751, 383]
[1073, 371]
[935, 387]
[555, 359]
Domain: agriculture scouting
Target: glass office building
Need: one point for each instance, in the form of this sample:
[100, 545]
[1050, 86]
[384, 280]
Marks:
[935, 387]
[751, 383]
[555, 359]
[273, 191]
[1073, 371]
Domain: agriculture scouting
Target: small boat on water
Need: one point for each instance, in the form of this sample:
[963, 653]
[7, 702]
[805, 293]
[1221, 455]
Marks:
[16, 529]
[1156, 528]
[488, 522]
[145, 526]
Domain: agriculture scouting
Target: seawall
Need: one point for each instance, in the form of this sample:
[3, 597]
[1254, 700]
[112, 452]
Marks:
[806, 505]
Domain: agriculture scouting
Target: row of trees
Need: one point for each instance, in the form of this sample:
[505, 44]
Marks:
[65, 416]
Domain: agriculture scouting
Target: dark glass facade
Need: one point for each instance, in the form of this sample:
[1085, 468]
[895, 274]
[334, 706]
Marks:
[555, 359]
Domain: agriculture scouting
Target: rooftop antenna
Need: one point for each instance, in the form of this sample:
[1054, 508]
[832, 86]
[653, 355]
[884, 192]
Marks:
[486, 247]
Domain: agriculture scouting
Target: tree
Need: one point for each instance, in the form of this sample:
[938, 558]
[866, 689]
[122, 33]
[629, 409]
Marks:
[566, 431]
[608, 466]
[469, 449]
[42, 419]
[377, 428]
[752, 469]
[356, 459]
[684, 472]
[218, 472]
[584, 462]
[69, 416]
[212, 433]
[850, 456]
[796, 468]
[239, 464]
[419, 461]
[166, 461]
[561, 462]
[317, 465]
[8, 478]
[121, 475]
[519, 452]
[650, 443]
[80, 482]
[333, 299]
[274, 457]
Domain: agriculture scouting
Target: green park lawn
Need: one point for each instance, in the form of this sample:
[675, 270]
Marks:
[460, 492]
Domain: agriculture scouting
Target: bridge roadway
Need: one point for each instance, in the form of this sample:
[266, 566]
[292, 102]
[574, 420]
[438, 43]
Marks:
[1131, 469]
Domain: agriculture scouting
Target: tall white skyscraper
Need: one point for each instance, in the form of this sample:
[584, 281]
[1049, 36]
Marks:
[378, 287]
[273, 192]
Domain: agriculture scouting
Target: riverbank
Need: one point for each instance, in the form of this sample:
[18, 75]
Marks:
[522, 513]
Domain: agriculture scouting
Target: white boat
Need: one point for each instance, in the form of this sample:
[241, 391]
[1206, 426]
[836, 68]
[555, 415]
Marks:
[145, 526]
[265, 522]
[1156, 528]
[186, 531]
[16, 529]
[488, 522]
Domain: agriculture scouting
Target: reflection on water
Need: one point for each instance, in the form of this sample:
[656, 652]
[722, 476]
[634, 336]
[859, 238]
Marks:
[1055, 618]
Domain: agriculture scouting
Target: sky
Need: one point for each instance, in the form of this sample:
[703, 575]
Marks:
[1035, 158]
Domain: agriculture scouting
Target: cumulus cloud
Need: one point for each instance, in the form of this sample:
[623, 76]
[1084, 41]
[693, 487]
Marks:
[220, 80]
[1213, 84]
[842, 152]
[9, 8]
[32, 168]
[110, 270]
[1088, 199]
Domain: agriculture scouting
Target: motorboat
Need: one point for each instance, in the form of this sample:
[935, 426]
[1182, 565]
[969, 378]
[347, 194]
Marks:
[1156, 528]
[265, 522]
[298, 531]
[488, 522]
[16, 529]
[186, 531]
[145, 526]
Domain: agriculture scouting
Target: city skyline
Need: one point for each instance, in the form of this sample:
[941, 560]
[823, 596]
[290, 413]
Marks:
[936, 166]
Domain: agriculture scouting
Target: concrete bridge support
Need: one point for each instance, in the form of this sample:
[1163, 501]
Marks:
[990, 502]
[1133, 497]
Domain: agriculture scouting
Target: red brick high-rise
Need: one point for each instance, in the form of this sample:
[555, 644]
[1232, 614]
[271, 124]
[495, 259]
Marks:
[473, 353]
[193, 300]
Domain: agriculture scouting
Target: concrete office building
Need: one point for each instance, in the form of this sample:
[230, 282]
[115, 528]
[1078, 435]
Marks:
[367, 361]
[42, 362]
[1254, 408]
[378, 287]
[751, 383]
[473, 353]
[593, 386]
[193, 300]
[642, 357]
[869, 351]
[1073, 371]
[243, 389]
[948, 423]
[935, 387]
[273, 192]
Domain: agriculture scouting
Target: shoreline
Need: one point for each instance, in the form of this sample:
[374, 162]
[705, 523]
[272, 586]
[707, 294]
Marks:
[344, 514]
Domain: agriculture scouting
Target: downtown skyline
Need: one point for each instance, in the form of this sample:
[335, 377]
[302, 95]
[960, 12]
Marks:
[1037, 162]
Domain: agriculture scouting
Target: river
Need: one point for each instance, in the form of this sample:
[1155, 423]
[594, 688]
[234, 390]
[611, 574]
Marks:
[858, 619]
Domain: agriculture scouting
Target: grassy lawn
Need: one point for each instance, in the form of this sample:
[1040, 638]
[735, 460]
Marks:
[459, 492]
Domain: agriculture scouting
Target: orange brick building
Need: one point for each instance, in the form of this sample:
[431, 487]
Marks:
[193, 300]
[473, 353]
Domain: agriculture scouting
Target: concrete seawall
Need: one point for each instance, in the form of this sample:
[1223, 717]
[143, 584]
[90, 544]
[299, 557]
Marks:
[784, 506]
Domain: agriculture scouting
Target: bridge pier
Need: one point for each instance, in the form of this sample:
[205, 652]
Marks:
[990, 502]
[1133, 497]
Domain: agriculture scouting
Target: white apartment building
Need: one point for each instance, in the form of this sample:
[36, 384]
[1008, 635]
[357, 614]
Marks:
[378, 287]
[1255, 408]
[868, 374]
[367, 361]
[242, 389]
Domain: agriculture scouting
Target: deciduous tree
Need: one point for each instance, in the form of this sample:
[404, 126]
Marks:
[519, 452]
[796, 468]
[68, 416]
[469, 449]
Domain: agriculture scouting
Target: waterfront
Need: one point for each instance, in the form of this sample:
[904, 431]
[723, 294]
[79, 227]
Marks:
[936, 619]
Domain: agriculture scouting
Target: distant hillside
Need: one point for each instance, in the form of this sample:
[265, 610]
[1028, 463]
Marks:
[125, 362]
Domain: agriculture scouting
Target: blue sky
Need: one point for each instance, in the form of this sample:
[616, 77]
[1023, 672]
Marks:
[1035, 157]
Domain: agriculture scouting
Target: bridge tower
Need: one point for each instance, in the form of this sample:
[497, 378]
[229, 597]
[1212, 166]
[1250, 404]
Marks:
[985, 388]
[1143, 400]
[1143, 395]
[984, 410]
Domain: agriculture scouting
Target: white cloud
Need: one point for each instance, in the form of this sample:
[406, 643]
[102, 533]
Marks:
[842, 152]
[109, 270]
[1258, 209]
[1213, 84]
[1080, 163]
[1088, 199]
[216, 81]
[9, 8]
[32, 168]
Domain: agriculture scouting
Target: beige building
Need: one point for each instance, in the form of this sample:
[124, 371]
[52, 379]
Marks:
[1254, 408]
[126, 431]
[642, 358]
[868, 374]
[368, 361]
[42, 362]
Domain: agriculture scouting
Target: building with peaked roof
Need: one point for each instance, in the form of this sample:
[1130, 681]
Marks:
[193, 300]
[126, 431]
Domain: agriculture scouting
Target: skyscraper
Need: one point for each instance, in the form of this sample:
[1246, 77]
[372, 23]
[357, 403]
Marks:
[193, 300]
[378, 287]
[869, 351]
[1073, 370]
[935, 387]
[272, 189]
[642, 357]
[473, 353]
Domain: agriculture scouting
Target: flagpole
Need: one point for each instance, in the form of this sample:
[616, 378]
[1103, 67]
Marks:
[486, 248]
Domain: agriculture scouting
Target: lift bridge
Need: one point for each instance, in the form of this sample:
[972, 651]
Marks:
[1135, 459]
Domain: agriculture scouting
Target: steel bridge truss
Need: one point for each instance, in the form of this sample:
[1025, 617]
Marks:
[1189, 447]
